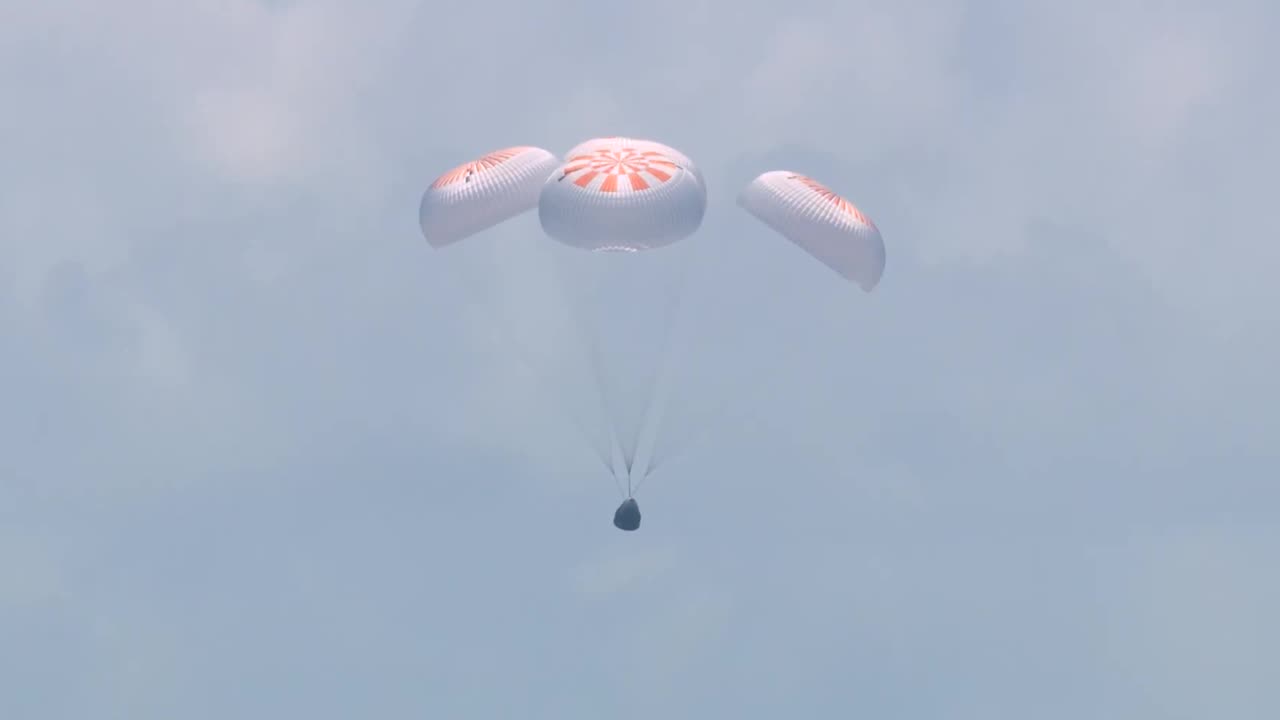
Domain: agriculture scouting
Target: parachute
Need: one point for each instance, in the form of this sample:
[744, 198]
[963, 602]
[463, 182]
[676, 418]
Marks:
[820, 222]
[680, 158]
[482, 193]
[619, 194]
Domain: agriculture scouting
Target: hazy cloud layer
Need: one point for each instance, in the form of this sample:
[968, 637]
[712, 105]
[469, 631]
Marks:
[264, 453]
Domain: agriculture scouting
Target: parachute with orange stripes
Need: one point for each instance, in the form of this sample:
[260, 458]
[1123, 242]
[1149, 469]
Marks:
[680, 158]
[822, 223]
[484, 192]
[622, 194]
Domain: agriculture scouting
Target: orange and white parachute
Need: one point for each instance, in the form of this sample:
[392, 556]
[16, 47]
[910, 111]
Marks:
[680, 158]
[823, 224]
[622, 194]
[480, 194]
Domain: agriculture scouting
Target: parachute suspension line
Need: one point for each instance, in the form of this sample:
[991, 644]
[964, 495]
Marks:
[607, 399]
[617, 483]
[523, 355]
[608, 391]
[662, 371]
[661, 448]
[626, 445]
[629, 438]
[690, 440]
[658, 452]
[602, 394]
[605, 458]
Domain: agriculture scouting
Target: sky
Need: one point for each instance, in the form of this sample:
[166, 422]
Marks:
[264, 454]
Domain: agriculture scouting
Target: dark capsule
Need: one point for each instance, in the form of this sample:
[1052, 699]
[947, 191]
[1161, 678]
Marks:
[627, 516]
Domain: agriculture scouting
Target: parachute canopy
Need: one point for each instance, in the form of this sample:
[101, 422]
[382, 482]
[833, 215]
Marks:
[623, 195]
[480, 194]
[680, 158]
[822, 223]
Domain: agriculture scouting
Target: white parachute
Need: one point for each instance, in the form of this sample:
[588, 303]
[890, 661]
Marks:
[622, 194]
[822, 223]
[484, 192]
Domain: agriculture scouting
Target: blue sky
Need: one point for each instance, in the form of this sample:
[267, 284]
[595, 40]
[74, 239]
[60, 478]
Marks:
[261, 457]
